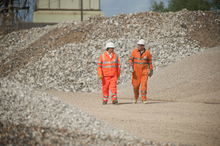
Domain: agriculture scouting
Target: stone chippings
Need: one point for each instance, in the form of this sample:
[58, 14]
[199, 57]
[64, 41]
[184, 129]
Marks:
[63, 57]
[35, 118]
[18, 40]
[72, 66]
[71, 69]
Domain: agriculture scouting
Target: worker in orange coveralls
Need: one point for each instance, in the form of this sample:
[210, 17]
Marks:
[108, 69]
[140, 62]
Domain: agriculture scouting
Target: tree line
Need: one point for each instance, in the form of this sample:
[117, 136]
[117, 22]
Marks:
[178, 5]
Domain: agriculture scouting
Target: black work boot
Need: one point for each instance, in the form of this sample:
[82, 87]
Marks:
[104, 103]
[115, 101]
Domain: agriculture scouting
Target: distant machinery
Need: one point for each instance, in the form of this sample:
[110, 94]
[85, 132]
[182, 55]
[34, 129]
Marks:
[55, 11]
[13, 12]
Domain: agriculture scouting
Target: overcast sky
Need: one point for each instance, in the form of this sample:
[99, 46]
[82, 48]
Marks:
[114, 7]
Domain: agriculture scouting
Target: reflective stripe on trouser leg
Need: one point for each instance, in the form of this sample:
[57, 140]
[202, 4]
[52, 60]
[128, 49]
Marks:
[104, 98]
[136, 93]
[113, 87]
[105, 88]
[144, 87]
[143, 95]
[114, 95]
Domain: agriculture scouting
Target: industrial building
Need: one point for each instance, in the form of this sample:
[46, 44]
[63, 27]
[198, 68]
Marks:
[55, 11]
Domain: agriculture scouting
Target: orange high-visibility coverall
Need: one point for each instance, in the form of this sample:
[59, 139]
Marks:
[140, 74]
[109, 68]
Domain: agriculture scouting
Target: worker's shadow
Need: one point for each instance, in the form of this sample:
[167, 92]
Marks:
[124, 103]
[150, 102]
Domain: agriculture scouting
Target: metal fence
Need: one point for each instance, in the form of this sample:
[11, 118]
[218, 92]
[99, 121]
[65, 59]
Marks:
[28, 25]
[22, 25]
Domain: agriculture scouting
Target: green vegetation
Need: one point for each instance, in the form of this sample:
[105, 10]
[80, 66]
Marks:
[178, 5]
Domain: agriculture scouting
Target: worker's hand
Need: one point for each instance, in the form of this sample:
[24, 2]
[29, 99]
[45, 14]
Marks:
[131, 69]
[117, 76]
[100, 76]
[151, 72]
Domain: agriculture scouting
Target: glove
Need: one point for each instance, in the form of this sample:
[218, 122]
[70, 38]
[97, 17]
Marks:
[117, 76]
[100, 77]
[131, 69]
[151, 72]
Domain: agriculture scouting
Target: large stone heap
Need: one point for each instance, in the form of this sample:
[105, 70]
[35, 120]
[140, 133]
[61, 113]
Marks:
[35, 118]
[16, 41]
[65, 58]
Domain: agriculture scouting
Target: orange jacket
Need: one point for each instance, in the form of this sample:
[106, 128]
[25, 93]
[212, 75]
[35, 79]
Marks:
[141, 63]
[108, 66]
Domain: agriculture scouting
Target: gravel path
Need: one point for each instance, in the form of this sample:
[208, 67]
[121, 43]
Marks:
[183, 97]
[29, 117]
[184, 103]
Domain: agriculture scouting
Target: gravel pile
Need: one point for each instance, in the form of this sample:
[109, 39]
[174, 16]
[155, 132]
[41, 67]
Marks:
[72, 66]
[33, 117]
[16, 41]
[63, 57]
[192, 79]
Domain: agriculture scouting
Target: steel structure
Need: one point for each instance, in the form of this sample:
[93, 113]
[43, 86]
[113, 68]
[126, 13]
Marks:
[12, 12]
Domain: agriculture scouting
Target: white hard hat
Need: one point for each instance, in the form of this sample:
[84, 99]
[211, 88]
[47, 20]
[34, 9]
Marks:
[141, 42]
[109, 45]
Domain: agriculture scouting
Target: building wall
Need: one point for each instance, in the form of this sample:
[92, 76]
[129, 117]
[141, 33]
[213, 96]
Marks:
[55, 11]
[68, 4]
[59, 16]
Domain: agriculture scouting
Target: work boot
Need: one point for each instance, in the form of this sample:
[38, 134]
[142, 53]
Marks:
[104, 103]
[115, 101]
[144, 101]
[135, 100]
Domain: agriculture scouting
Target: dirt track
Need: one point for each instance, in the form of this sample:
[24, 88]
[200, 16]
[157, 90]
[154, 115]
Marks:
[184, 105]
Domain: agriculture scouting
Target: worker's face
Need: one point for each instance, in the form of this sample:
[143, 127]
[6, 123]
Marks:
[110, 50]
[140, 47]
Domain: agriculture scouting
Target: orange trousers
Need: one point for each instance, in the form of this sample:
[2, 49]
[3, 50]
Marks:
[138, 78]
[109, 81]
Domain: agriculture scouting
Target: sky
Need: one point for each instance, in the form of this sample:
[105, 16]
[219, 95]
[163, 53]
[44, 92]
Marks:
[114, 7]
